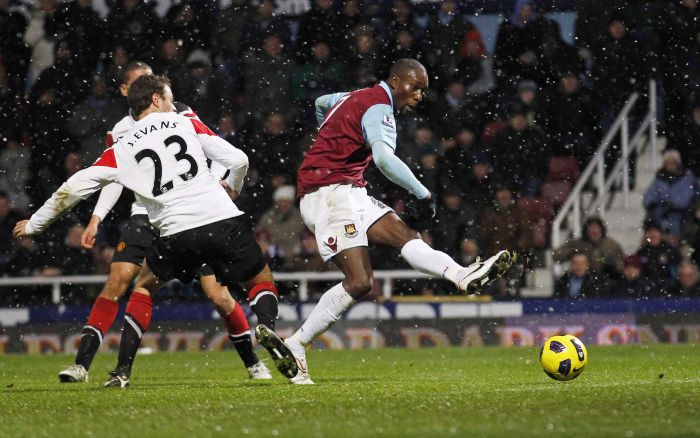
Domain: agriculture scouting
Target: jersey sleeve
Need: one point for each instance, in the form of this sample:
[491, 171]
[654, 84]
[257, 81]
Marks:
[78, 187]
[109, 196]
[324, 103]
[379, 126]
[219, 150]
[396, 170]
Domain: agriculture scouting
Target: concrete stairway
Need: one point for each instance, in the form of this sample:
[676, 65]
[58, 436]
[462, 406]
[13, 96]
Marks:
[624, 225]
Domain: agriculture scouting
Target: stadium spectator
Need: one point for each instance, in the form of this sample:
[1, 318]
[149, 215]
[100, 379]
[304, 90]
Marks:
[35, 37]
[688, 282]
[454, 110]
[321, 75]
[669, 197]
[77, 25]
[308, 259]
[267, 79]
[504, 226]
[480, 185]
[659, 259]
[401, 19]
[633, 283]
[15, 160]
[93, 118]
[63, 80]
[453, 223]
[605, 255]
[14, 53]
[189, 23]
[518, 54]
[578, 281]
[170, 61]
[618, 67]
[350, 20]
[283, 223]
[133, 25]
[366, 62]
[230, 36]
[227, 129]
[679, 61]
[521, 153]
[320, 23]
[8, 217]
[687, 138]
[571, 119]
[404, 45]
[448, 29]
[528, 97]
[118, 59]
[262, 22]
[205, 88]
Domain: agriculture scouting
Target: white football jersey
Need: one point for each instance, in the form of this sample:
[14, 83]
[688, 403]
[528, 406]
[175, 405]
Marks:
[110, 194]
[163, 160]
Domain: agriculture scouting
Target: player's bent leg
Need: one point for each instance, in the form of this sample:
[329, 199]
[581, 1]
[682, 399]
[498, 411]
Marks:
[262, 296]
[102, 316]
[137, 319]
[236, 324]
[390, 230]
[355, 264]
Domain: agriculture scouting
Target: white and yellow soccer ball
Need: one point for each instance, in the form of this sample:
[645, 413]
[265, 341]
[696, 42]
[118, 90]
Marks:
[563, 357]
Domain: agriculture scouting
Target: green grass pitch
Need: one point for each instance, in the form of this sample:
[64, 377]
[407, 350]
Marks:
[487, 391]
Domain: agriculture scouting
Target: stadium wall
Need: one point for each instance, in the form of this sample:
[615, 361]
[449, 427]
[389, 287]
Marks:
[370, 325]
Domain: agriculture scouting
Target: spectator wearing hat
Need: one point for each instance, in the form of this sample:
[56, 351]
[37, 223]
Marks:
[659, 259]
[503, 225]
[688, 282]
[605, 254]
[578, 281]
[521, 152]
[670, 196]
[283, 222]
[634, 284]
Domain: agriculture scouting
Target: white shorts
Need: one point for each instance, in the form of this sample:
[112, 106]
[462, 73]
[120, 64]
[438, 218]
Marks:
[340, 215]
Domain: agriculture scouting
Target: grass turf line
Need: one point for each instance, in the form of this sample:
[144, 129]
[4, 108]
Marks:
[488, 391]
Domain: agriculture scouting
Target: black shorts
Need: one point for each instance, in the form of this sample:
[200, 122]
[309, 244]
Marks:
[135, 241]
[227, 246]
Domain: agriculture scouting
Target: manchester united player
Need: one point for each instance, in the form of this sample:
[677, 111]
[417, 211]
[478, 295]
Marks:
[163, 160]
[355, 128]
[131, 249]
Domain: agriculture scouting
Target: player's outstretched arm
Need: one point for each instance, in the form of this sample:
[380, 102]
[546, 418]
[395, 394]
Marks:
[78, 187]
[396, 170]
[109, 196]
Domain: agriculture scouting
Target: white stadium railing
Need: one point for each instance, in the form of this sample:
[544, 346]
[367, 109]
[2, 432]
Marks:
[302, 278]
[571, 215]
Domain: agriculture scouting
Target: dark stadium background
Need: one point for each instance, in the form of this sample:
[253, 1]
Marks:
[253, 79]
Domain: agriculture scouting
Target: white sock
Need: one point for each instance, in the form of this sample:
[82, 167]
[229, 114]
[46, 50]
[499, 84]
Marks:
[425, 259]
[329, 309]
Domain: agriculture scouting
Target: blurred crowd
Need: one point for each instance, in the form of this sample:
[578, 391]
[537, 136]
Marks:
[500, 138]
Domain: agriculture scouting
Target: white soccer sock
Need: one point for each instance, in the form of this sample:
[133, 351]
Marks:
[425, 259]
[329, 309]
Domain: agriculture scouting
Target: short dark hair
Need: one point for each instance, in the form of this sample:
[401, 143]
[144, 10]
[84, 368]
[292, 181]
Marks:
[133, 66]
[405, 65]
[143, 89]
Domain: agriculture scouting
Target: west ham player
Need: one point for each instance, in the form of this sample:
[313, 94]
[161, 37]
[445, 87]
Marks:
[128, 258]
[355, 128]
[163, 160]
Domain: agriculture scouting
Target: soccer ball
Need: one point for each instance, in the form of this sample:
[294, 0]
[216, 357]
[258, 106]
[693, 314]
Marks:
[563, 357]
